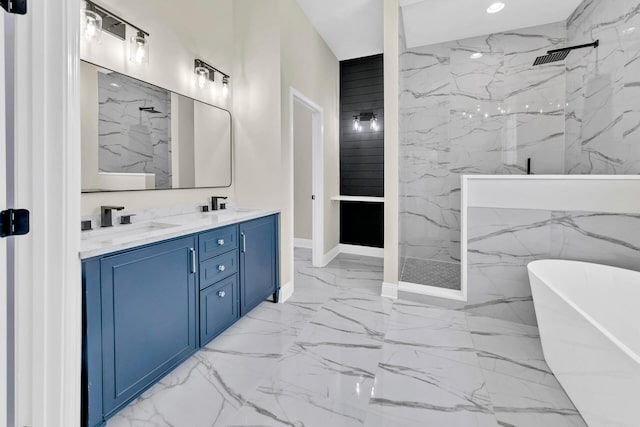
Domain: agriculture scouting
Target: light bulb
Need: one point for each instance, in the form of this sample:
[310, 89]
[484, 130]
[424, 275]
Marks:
[140, 53]
[356, 123]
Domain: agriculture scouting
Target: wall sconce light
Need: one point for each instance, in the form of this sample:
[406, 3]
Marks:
[139, 49]
[365, 117]
[206, 72]
[96, 19]
[91, 25]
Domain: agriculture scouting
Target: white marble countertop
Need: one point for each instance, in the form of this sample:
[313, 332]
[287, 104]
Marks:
[102, 241]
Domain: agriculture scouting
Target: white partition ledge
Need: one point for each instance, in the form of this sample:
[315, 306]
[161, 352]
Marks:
[362, 199]
[592, 193]
[588, 193]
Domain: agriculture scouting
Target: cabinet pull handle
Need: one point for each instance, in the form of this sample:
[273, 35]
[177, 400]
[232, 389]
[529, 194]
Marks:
[221, 294]
[244, 242]
[220, 242]
[221, 268]
[193, 259]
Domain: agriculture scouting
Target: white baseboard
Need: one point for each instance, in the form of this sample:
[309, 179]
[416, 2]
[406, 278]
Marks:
[286, 291]
[389, 290]
[432, 291]
[303, 243]
[362, 250]
[329, 256]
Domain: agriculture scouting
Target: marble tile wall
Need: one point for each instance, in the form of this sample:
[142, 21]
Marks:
[460, 115]
[502, 242]
[131, 140]
[603, 89]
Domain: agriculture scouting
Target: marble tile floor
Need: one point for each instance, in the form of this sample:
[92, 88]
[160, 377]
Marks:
[431, 273]
[337, 354]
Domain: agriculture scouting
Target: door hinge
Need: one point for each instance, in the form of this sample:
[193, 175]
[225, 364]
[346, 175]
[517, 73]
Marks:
[14, 222]
[18, 7]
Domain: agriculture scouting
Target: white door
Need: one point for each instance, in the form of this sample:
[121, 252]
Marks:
[3, 242]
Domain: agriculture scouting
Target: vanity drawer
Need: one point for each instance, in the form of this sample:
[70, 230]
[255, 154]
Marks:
[218, 268]
[217, 242]
[219, 308]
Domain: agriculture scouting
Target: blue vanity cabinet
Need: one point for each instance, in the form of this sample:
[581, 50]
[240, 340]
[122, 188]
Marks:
[147, 309]
[259, 273]
[148, 317]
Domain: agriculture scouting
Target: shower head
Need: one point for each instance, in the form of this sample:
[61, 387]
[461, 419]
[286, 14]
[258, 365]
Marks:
[150, 110]
[561, 54]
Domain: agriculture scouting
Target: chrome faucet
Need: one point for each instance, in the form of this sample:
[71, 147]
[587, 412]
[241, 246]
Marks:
[106, 218]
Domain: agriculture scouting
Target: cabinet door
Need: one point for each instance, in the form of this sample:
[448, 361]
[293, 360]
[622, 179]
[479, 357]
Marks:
[218, 308]
[258, 262]
[148, 317]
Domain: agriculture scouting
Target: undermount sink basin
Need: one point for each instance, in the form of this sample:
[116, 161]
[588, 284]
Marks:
[125, 233]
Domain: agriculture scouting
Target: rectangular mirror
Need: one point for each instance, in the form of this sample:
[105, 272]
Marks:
[137, 136]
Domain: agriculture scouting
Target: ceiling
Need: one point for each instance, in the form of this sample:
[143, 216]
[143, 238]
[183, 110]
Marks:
[435, 21]
[354, 28]
[351, 28]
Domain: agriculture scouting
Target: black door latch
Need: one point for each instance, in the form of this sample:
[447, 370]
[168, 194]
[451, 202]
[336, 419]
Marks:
[14, 222]
[15, 6]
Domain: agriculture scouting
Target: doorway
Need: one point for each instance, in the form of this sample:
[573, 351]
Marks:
[307, 122]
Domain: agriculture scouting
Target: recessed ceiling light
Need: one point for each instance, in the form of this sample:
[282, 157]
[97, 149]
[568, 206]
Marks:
[476, 55]
[495, 7]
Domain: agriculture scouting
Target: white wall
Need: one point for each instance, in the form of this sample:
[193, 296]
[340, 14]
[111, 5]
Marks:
[309, 66]
[303, 188]
[176, 40]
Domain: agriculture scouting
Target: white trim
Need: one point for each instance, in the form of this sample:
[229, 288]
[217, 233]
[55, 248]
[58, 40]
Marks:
[47, 159]
[389, 290]
[286, 292]
[317, 143]
[361, 250]
[4, 347]
[362, 199]
[302, 243]
[431, 291]
[329, 256]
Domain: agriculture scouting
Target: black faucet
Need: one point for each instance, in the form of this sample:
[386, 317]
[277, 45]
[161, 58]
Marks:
[106, 219]
[214, 202]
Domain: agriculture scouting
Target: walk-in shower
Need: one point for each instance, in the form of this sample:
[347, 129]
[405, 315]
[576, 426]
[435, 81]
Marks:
[474, 106]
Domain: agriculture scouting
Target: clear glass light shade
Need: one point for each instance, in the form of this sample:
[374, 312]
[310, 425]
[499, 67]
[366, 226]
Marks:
[225, 87]
[203, 76]
[91, 25]
[373, 123]
[139, 49]
[356, 124]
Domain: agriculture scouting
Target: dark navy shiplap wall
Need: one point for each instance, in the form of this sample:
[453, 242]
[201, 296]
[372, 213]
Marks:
[361, 153]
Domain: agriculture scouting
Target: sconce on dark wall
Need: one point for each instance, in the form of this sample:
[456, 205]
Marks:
[206, 73]
[96, 20]
[361, 118]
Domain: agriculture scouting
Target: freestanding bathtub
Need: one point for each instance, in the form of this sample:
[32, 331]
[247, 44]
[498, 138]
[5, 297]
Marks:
[589, 320]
